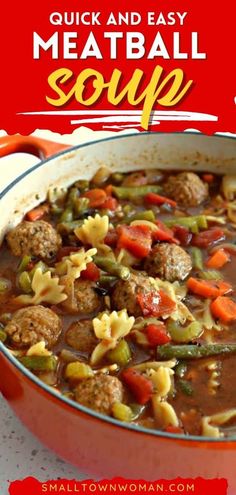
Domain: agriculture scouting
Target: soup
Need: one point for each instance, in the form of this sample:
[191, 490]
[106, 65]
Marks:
[120, 294]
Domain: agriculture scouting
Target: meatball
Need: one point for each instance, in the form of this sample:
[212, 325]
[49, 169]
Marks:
[82, 297]
[125, 293]
[186, 188]
[99, 393]
[38, 239]
[34, 324]
[169, 262]
[80, 335]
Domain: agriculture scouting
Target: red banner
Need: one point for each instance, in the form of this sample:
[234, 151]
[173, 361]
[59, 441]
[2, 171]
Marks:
[198, 486]
[117, 65]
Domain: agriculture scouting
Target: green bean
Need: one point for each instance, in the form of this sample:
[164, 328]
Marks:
[121, 355]
[5, 285]
[134, 192]
[184, 334]
[66, 228]
[72, 197]
[117, 178]
[185, 387]
[197, 260]
[3, 335]
[82, 185]
[193, 223]
[181, 369]
[211, 275]
[39, 363]
[81, 206]
[24, 281]
[107, 279]
[24, 263]
[67, 215]
[142, 215]
[112, 267]
[168, 351]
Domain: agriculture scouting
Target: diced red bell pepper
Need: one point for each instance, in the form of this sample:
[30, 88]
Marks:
[156, 303]
[208, 237]
[140, 386]
[136, 239]
[156, 199]
[157, 334]
[164, 233]
[182, 234]
[91, 272]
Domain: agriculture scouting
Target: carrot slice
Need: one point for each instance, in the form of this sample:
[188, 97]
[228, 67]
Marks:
[37, 213]
[96, 197]
[210, 288]
[218, 259]
[209, 178]
[224, 308]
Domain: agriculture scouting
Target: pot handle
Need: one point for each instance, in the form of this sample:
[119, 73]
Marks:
[42, 148]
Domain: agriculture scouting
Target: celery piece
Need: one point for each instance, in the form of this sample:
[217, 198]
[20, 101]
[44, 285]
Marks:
[24, 263]
[197, 259]
[122, 412]
[184, 334]
[78, 371]
[24, 282]
[39, 363]
[121, 355]
[211, 275]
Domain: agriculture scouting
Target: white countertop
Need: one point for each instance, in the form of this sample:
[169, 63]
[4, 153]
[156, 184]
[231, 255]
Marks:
[22, 455]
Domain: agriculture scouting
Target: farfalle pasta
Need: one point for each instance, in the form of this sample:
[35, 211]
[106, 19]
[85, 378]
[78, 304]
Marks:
[46, 289]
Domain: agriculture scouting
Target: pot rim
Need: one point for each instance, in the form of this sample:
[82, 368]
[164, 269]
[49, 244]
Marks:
[49, 390]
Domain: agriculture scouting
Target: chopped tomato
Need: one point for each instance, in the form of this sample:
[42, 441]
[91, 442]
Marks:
[110, 204]
[208, 288]
[218, 259]
[111, 238]
[37, 213]
[224, 308]
[164, 233]
[136, 239]
[91, 272]
[157, 334]
[156, 199]
[182, 234]
[96, 197]
[156, 303]
[139, 385]
[66, 251]
[208, 237]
